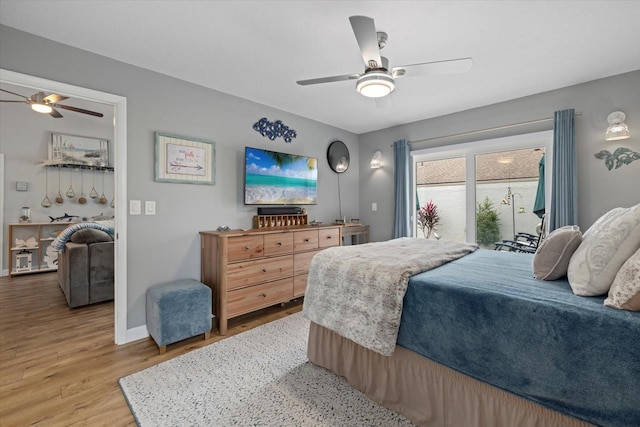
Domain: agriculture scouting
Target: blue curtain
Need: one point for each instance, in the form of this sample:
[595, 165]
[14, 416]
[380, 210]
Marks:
[402, 215]
[564, 187]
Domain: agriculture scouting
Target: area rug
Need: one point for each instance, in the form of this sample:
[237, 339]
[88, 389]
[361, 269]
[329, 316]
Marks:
[260, 377]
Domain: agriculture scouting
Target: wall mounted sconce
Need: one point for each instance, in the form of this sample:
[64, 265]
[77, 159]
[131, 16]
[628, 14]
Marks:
[617, 127]
[617, 130]
[376, 160]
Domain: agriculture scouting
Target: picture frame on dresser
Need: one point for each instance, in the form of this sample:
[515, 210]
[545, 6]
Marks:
[186, 160]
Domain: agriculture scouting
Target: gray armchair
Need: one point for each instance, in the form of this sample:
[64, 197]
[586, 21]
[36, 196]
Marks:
[86, 268]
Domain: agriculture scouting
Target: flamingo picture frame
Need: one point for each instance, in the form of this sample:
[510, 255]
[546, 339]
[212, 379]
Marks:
[186, 160]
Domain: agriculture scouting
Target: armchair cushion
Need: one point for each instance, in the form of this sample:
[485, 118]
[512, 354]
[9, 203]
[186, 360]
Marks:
[90, 235]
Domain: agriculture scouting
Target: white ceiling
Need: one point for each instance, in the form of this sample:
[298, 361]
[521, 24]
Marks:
[257, 50]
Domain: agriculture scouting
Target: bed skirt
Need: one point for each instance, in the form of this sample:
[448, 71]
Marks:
[426, 392]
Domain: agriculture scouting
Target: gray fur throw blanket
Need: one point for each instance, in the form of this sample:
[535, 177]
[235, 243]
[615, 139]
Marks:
[357, 291]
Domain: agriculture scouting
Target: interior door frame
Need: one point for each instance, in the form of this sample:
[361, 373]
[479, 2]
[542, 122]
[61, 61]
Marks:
[119, 104]
[2, 209]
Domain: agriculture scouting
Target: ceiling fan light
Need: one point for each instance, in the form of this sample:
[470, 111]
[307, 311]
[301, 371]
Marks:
[375, 84]
[41, 108]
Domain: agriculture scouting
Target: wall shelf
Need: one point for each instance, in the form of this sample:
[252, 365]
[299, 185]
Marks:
[79, 166]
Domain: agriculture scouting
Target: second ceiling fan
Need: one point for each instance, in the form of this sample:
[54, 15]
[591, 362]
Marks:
[378, 79]
[44, 104]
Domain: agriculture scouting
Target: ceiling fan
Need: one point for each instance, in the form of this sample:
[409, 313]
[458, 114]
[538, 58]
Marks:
[378, 79]
[44, 104]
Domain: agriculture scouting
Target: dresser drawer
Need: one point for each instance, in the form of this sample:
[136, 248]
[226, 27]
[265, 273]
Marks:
[299, 285]
[301, 262]
[328, 237]
[245, 300]
[305, 240]
[245, 247]
[262, 270]
[278, 244]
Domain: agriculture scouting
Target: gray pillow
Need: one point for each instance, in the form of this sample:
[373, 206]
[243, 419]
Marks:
[90, 235]
[552, 257]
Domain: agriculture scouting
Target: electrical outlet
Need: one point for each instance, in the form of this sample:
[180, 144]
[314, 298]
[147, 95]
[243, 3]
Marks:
[374, 207]
[22, 186]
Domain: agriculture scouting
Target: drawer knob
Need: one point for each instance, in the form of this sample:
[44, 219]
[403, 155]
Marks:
[306, 240]
[264, 270]
[328, 237]
[263, 295]
[279, 243]
[246, 248]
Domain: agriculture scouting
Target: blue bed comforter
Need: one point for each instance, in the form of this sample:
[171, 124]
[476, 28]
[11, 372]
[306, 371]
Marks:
[485, 315]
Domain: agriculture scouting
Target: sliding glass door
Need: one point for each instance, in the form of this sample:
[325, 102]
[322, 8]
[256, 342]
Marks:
[506, 186]
[483, 191]
[441, 183]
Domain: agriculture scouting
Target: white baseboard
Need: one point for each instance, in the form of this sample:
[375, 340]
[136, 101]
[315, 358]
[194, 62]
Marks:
[135, 334]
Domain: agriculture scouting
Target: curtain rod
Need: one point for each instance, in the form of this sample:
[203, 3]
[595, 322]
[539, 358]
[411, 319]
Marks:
[530, 122]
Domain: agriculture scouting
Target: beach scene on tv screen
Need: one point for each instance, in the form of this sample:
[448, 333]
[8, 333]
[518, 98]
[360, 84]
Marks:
[273, 178]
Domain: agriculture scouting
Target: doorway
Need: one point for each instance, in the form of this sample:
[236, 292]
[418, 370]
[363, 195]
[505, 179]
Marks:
[119, 105]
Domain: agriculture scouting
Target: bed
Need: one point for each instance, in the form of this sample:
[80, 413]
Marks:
[481, 342]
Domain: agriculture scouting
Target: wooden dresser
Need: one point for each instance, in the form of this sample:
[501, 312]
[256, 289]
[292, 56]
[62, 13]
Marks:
[252, 269]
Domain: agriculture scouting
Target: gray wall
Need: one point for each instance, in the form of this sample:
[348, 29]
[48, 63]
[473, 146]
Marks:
[598, 189]
[167, 245]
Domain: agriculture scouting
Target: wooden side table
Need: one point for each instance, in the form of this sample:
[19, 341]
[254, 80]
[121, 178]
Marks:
[355, 230]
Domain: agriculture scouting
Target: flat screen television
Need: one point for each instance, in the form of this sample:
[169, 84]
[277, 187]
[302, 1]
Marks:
[274, 178]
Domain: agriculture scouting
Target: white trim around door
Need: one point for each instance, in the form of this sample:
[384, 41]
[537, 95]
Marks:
[121, 334]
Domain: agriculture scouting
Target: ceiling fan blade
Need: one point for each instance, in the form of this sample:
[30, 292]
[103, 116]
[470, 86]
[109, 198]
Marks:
[365, 31]
[449, 66]
[13, 93]
[54, 97]
[6, 100]
[329, 79]
[55, 113]
[77, 110]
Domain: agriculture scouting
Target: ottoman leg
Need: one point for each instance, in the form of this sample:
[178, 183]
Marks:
[162, 349]
[207, 335]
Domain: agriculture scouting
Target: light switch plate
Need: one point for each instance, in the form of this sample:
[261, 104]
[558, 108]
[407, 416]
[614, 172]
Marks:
[22, 186]
[135, 207]
[149, 207]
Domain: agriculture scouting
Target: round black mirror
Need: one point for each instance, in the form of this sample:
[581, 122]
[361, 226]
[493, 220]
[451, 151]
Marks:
[338, 157]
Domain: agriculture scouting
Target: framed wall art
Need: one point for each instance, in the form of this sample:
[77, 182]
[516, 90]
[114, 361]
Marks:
[78, 150]
[184, 159]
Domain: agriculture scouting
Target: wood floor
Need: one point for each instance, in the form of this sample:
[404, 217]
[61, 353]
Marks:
[60, 366]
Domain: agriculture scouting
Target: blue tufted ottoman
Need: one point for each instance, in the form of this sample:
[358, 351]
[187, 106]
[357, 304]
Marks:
[178, 310]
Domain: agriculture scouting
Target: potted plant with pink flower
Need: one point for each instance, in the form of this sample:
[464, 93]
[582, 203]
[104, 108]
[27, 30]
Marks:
[428, 218]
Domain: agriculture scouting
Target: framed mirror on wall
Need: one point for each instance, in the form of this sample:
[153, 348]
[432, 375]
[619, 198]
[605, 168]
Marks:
[338, 157]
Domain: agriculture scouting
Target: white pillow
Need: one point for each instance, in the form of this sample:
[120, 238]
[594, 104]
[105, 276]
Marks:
[552, 256]
[605, 217]
[625, 290]
[605, 246]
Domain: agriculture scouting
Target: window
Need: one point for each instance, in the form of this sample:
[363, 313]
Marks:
[497, 175]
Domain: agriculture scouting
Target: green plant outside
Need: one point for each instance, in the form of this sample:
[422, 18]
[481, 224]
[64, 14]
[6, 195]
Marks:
[487, 224]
